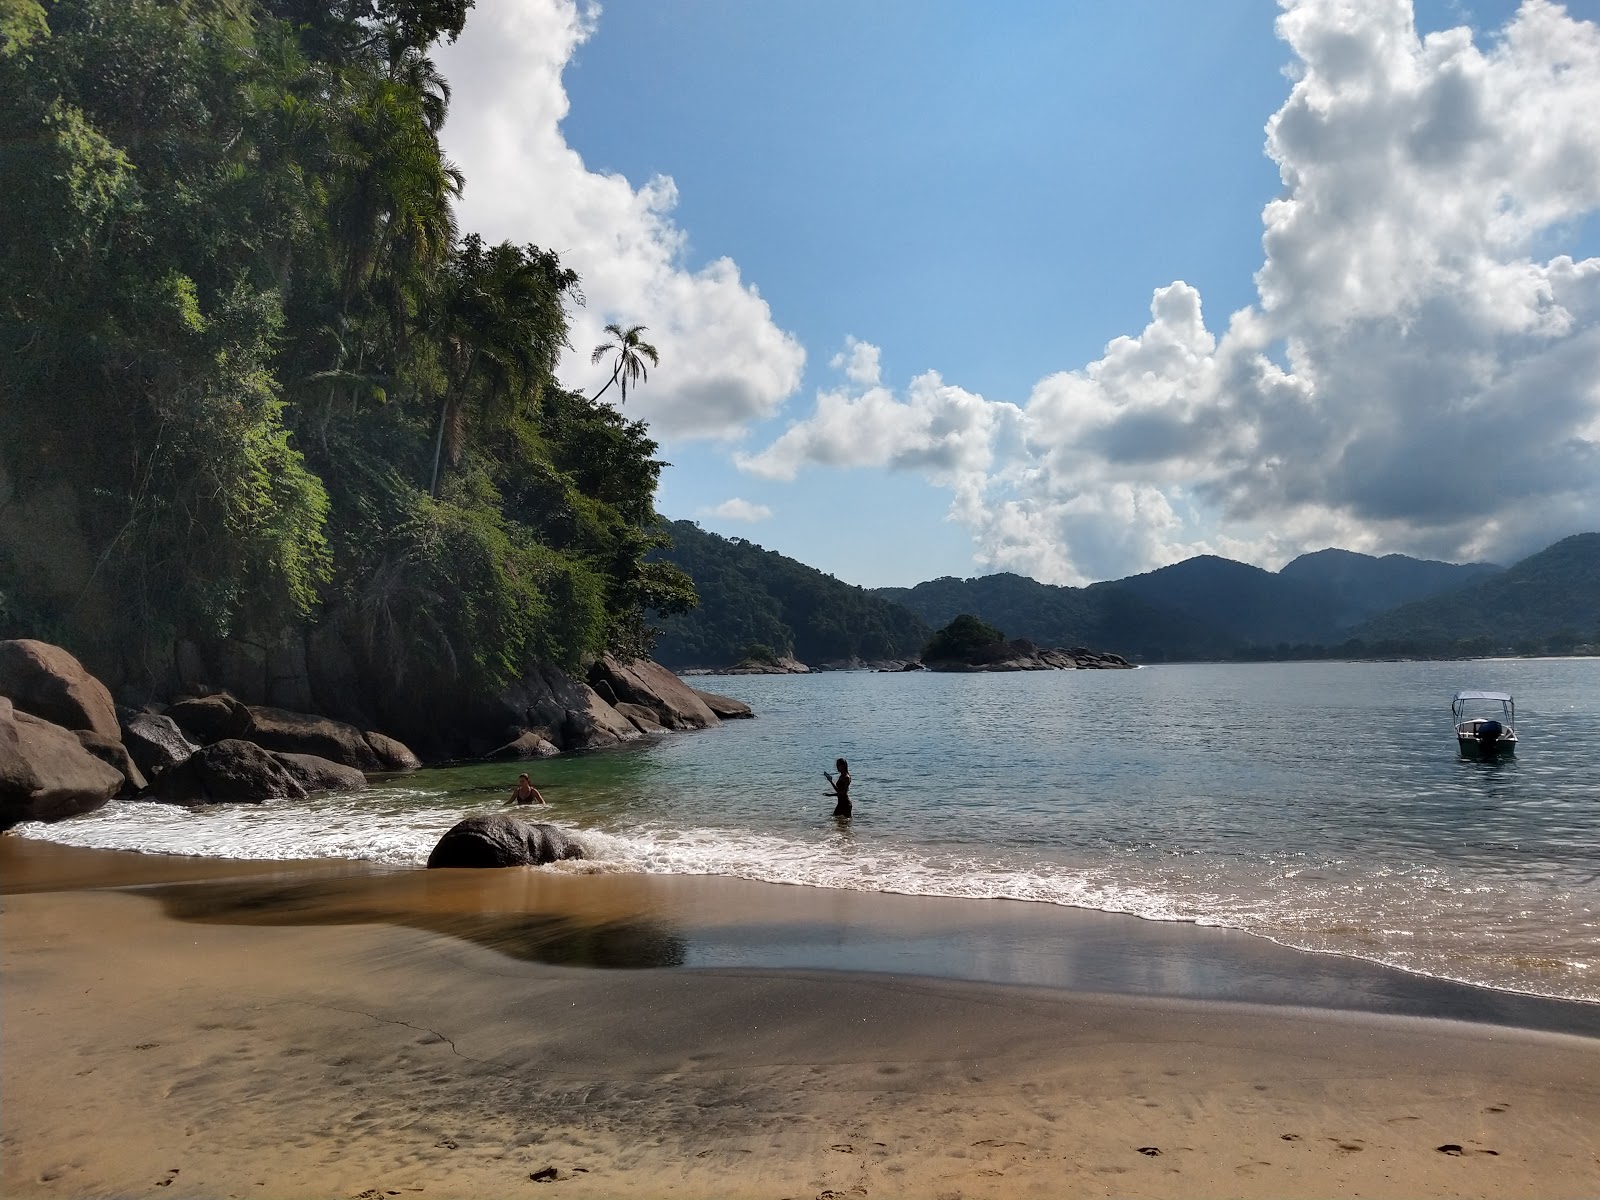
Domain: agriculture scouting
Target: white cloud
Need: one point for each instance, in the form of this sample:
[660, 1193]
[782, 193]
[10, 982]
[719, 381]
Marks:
[859, 361]
[1414, 376]
[723, 360]
[737, 510]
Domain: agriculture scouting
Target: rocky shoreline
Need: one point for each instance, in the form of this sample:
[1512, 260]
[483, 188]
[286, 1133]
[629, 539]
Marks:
[1017, 655]
[67, 748]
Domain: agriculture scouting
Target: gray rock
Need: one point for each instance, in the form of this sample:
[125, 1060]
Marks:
[501, 840]
[232, 771]
[646, 683]
[726, 707]
[45, 773]
[320, 775]
[644, 719]
[155, 742]
[303, 733]
[531, 744]
[48, 682]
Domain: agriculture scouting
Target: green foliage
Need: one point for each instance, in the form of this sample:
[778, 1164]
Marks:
[259, 379]
[749, 595]
[960, 640]
[760, 652]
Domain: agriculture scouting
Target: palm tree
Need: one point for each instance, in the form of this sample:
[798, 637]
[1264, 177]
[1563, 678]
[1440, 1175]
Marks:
[631, 352]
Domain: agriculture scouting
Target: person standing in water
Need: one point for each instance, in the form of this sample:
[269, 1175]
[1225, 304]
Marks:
[841, 787]
[526, 793]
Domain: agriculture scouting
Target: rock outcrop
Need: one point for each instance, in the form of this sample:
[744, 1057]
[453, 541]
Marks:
[502, 840]
[155, 742]
[54, 686]
[115, 755]
[209, 719]
[526, 746]
[726, 707]
[304, 733]
[45, 773]
[232, 771]
[1023, 655]
[319, 775]
[675, 704]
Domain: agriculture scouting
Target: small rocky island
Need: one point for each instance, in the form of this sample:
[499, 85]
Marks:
[968, 644]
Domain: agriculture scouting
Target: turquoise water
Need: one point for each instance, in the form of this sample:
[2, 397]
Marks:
[1323, 805]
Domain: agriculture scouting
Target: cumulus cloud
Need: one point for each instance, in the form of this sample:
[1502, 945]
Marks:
[1414, 375]
[724, 362]
[737, 510]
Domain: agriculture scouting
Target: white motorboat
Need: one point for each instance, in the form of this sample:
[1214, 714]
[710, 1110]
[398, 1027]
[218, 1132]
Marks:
[1485, 723]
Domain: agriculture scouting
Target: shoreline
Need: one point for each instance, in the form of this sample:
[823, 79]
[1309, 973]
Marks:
[632, 920]
[277, 1031]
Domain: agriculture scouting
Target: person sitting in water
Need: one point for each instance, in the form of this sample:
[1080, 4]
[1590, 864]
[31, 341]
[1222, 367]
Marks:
[526, 793]
[841, 788]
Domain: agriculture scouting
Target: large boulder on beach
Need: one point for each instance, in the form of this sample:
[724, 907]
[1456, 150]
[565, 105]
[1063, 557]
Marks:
[45, 773]
[48, 682]
[320, 775]
[209, 719]
[502, 840]
[115, 755]
[232, 771]
[155, 742]
[304, 733]
[675, 704]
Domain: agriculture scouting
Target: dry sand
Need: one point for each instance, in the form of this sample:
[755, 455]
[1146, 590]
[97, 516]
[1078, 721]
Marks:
[322, 1032]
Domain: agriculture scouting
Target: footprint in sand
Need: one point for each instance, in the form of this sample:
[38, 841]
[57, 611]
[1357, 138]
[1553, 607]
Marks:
[1150, 1151]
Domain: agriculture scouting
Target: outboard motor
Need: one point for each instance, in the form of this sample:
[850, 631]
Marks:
[1489, 736]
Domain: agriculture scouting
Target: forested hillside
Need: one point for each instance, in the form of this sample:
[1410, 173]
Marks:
[257, 383]
[1104, 617]
[1360, 586]
[751, 596]
[1548, 602]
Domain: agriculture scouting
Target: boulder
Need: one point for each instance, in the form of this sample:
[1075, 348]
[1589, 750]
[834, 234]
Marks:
[395, 755]
[644, 719]
[45, 773]
[232, 771]
[675, 703]
[115, 755]
[564, 711]
[302, 733]
[211, 718]
[595, 724]
[726, 707]
[319, 775]
[501, 840]
[531, 744]
[155, 742]
[49, 683]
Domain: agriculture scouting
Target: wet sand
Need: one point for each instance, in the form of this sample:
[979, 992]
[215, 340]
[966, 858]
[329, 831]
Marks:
[196, 1028]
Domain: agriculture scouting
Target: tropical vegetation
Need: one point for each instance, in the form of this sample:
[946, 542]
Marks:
[256, 379]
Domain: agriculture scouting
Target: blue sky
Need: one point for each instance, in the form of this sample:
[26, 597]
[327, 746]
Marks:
[995, 194]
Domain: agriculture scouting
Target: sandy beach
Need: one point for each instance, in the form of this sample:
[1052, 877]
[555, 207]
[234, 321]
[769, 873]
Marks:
[199, 1028]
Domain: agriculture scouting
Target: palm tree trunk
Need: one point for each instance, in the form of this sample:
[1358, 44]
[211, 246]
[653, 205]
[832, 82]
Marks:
[607, 388]
[438, 448]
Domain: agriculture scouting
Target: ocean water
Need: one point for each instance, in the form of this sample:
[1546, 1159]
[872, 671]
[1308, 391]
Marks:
[1321, 805]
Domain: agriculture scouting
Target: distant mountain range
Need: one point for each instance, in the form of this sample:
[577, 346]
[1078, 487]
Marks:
[1332, 602]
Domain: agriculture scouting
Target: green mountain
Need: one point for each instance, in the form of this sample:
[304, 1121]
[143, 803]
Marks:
[1103, 617]
[1361, 586]
[752, 596]
[1548, 601]
[1244, 603]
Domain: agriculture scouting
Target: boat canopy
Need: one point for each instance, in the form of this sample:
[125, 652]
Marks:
[1483, 696]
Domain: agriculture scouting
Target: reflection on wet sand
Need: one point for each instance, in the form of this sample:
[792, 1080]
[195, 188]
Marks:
[493, 909]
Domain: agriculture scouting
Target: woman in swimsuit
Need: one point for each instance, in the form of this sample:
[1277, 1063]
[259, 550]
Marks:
[526, 793]
[841, 788]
